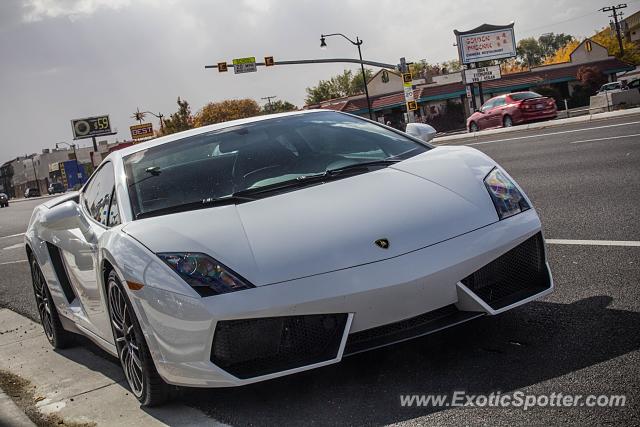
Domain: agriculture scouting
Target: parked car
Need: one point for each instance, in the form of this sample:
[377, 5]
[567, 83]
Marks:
[608, 87]
[32, 192]
[512, 109]
[248, 250]
[4, 200]
[56, 187]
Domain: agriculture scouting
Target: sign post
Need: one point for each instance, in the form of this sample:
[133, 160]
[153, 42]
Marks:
[484, 43]
[90, 127]
[483, 74]
[244, 65]
[143, 130]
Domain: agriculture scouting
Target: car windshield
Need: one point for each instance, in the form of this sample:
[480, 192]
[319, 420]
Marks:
[524, 95]
[218, 164]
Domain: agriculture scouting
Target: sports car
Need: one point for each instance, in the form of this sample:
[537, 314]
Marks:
[252, 249]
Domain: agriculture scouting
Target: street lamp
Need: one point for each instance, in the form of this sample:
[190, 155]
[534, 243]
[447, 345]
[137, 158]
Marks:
[75, 155]
[358, 43]
[139, 116]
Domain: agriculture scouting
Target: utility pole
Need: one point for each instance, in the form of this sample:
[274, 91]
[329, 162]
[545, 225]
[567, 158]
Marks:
[614, 15]
[269, 98]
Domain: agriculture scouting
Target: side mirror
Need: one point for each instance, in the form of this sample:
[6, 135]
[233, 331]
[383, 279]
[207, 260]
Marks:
[421, 131]
[67, 216]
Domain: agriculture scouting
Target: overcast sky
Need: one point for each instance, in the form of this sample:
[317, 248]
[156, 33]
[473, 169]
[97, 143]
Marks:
[65, 59]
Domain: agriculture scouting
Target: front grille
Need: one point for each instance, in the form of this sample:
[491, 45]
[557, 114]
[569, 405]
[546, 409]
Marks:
[248, 348]
[514, 276]
[403, 330]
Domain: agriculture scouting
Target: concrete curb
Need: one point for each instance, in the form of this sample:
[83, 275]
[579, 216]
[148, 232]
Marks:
[11, 415]
[78, 385]
[540, 125]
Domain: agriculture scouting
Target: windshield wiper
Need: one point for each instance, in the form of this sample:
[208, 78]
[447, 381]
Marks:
[328, 175]
[198, 204]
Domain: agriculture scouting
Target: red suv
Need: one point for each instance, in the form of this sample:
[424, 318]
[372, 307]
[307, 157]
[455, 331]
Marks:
[512, 109]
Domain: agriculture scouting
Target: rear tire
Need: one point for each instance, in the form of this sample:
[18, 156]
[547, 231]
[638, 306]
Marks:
[507, 122]
[144, 381]
[58, 337]
[473, 127]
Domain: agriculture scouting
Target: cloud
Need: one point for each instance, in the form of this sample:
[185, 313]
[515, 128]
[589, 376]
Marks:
[37, 10]
[66, 59]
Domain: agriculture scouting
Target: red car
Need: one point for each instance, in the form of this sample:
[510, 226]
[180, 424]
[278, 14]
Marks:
[512, 109]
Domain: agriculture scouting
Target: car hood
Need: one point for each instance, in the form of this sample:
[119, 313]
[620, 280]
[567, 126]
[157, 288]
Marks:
[413, 204]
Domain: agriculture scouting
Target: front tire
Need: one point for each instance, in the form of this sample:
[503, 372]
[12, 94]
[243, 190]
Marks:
[143, 378]
[58, 337]
[473, 127]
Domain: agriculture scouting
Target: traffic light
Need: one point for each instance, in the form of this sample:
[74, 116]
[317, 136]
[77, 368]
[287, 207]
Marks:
[222, 67]
[268, 61]
[412, 105]
[406, 78]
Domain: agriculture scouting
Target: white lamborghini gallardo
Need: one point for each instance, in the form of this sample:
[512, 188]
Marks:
[252, 249]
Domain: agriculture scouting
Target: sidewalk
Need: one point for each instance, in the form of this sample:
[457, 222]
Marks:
[539, 125]
[75, 385]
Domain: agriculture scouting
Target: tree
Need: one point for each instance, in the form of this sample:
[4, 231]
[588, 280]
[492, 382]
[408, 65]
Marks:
[529, 52]
[562, 54]
[549, 43]
[346, 84]
[591, 78]
[230, 109]
[512, 65]
[607, 39]
[278, 107]
[180, 120]
[423, 69]
[533, 52]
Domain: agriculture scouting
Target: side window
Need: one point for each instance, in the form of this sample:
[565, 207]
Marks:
[114, 213]
[97, 196]
[488, 106]
[499, 102]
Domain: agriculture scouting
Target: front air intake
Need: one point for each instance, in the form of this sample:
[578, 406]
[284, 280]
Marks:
[516, 275]
[248, 348]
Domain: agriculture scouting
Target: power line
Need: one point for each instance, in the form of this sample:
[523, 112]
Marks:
[557, 23]
[614, 14]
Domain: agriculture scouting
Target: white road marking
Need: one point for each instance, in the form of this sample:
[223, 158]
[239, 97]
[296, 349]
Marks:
[593, 242]
[553, 133]
[14, 262]
[605, 138]
[16, 246]
[12, 235]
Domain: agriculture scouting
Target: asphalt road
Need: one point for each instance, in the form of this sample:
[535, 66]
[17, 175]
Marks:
[583, 339]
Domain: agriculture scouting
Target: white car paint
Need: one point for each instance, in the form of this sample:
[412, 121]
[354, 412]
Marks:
[308, 251]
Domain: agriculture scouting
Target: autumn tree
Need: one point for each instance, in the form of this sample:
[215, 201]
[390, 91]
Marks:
[180, 120]
[550, 43]
[278, 107]
[591, 78]
[223, 111]
[607, 39]
[512, 65]
[347, 83]
[563, 54]
[533, 52]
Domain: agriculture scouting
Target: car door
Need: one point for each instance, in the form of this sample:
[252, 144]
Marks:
[484, 121]
[497, 112]
[80, 253]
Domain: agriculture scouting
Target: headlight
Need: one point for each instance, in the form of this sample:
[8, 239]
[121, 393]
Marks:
[506, 197]
[204, 274]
